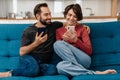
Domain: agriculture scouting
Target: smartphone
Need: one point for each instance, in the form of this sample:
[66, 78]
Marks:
[42, 30]
[71, 28]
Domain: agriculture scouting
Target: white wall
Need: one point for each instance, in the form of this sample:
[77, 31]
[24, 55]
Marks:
[118, 10]
[6, 6]
[3, 7]
[99, 7]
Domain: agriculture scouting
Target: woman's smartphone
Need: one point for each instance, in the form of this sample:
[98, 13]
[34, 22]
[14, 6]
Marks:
[40, 30]
[71, 28]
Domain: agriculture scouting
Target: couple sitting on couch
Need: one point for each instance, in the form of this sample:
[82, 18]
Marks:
[73, 45]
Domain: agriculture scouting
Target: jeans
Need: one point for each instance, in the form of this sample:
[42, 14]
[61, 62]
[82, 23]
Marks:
[29, 67]
[75, 61]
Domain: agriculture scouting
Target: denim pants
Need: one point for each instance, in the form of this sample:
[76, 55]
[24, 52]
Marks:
[75, 61]
[29, 67]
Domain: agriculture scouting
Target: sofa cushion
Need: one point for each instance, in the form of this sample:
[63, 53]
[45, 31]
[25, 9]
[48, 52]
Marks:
[105, 37]
[98, 77]
[10, 35]
[56, 77]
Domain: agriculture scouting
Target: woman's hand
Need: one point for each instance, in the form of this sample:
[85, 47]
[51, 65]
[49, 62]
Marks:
[72, 36]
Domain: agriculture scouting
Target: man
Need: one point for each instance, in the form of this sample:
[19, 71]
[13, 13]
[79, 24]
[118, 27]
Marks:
[37, 49]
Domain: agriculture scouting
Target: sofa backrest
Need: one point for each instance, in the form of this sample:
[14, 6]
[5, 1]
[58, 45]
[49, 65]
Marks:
[10, 35]
[105, 38]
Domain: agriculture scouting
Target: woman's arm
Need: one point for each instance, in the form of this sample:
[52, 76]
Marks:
[83, 42]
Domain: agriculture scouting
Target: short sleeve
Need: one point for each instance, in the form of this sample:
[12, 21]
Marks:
[25, 38]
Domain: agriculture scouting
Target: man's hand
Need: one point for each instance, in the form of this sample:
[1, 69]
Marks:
[88, 29]
[39, 39]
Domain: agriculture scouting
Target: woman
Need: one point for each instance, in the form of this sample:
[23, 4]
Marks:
[73, 45]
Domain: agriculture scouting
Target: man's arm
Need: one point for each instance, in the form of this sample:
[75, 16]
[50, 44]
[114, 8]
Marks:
[38, 40]
[88, 29]
[26, 49]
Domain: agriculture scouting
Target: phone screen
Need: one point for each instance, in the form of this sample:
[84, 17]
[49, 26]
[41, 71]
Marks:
[42, 30]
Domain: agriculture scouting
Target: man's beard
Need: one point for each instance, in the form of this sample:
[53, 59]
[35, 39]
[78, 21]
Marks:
[44, 22]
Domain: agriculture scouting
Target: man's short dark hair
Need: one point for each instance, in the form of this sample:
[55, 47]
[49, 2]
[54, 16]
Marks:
[76, 9]
[37, 8]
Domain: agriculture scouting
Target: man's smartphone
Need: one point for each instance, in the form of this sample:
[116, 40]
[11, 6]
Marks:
[40, 30]
[71, 28]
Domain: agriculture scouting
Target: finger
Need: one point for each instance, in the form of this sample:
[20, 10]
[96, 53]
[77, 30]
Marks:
[66, 37]
[69, 35]
[41, 34]
[45, 36]
[72, 32]
[36, 34]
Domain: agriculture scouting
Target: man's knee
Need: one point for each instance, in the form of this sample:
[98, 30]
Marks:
[48, 69]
